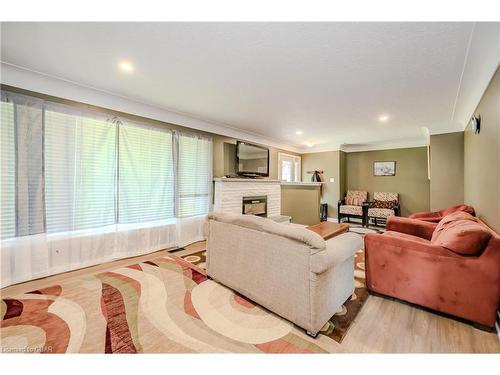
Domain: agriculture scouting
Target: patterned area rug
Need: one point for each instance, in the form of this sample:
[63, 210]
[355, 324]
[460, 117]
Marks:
[336, 328]
[166, 305]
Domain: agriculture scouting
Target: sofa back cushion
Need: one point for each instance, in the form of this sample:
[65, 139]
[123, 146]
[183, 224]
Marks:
[355, 197]
[461, 235]
[261, 224]
[460, 207]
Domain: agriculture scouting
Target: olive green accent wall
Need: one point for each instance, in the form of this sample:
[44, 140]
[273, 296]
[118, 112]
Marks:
[224, 149]
[229, 158]
[301, 203]
[329, 162]
[482, 158]
[411, 179]
[447, 170]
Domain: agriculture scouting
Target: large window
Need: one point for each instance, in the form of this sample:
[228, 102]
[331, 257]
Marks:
[80, 160]
[146, 174]
[195, 174]
[66, 169]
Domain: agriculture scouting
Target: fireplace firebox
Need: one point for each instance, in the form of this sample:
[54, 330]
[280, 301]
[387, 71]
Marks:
[255, 206]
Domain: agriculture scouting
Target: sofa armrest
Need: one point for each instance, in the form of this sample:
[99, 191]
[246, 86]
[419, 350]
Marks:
[413, 227]
[338, 250]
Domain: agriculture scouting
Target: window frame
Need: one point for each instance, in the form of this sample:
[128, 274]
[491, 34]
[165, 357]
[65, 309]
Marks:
[297, 158]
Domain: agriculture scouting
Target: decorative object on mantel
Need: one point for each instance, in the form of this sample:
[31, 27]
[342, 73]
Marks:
[384, 168]
[475, 123]
[317, 175]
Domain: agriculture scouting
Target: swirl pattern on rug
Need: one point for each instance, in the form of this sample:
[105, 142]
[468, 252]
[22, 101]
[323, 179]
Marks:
[166, 305]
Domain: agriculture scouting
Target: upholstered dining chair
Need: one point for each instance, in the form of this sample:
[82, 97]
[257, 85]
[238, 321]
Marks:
[353, 205]
[384, 204]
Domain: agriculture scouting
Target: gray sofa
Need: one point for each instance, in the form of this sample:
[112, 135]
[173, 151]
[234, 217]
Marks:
[285, 268]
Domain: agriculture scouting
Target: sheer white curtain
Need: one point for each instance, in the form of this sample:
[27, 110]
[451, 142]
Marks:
[23, 249]
[80, 188]
[194, 184]
[146, 214]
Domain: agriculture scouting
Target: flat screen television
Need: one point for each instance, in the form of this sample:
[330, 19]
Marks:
[252, 160]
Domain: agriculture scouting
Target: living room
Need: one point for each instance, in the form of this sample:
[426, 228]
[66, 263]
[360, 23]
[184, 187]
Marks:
[296, 187]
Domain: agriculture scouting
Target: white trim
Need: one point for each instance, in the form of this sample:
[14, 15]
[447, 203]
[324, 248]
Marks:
[388, 145]
[481, 62]
[27, 79]
[464, 65]
[251, 180]
[299, 183]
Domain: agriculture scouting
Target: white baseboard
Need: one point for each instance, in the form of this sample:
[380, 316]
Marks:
[332, 219]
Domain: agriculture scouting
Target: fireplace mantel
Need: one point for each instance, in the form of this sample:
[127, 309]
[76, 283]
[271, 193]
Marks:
[252, 180]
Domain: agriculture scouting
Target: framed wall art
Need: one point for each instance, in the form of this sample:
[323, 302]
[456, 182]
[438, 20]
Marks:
[384, 168]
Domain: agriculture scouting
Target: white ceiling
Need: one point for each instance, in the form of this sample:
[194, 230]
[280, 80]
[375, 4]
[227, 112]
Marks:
[330, 80]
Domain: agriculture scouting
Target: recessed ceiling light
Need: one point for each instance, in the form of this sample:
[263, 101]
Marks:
[383, 118]
[309, 144]
[126, 67]
[298, 132]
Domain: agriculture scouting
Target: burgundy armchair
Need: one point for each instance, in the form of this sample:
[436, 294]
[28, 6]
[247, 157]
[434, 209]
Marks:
[452, 267]
[436, 216]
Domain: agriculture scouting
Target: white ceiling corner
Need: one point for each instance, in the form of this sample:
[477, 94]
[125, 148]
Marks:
[264, 81]
[483, 59]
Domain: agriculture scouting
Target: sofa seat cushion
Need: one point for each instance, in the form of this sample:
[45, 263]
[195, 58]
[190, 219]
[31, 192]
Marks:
[351, 210]
[465, 237]
[380, 212]
[406, 237]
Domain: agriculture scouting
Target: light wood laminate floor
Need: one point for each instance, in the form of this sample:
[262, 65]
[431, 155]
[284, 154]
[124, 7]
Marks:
[382, 326]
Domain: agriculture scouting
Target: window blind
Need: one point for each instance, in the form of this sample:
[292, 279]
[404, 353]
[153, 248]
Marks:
[22, 165]
[28, 114]
[8, 174]
[194, 174]
[146, 176]
[80, 169]
[66, 169]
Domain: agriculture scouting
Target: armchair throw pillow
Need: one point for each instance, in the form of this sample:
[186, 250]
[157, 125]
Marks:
[384, 204]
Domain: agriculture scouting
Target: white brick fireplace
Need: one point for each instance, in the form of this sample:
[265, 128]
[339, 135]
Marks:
[229, 193]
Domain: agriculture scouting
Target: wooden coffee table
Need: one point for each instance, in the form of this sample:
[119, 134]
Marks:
[328, 230]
